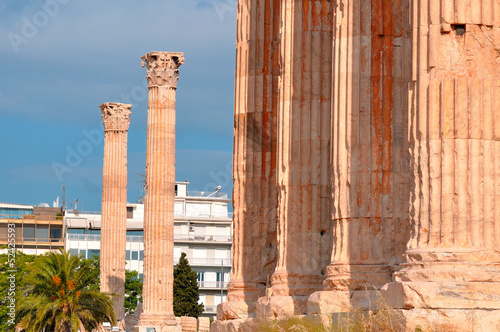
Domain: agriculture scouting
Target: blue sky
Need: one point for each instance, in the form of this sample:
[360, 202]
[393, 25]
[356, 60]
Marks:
[61, 59]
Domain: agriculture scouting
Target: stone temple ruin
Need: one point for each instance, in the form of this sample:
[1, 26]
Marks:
[367, 161]
[366, 166]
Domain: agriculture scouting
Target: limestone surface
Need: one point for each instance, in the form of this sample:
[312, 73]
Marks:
[116, 119]
[163, 73]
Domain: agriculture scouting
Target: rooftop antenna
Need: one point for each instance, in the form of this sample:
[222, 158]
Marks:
[216, 192]
[142, 181]
[64, 198]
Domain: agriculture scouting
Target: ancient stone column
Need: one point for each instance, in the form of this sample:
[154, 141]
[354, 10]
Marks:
[116, 119]
[369, 151]
[304, 165]
[255, 196]
[451, 262]
[163, 74]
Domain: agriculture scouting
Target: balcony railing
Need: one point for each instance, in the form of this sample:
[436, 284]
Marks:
[84, 237]
[207, 261]
[208, 238]
[212, 284]
[136, 238]
[192, 193]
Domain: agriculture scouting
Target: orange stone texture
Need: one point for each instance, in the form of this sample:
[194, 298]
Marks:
[116, 120]
[163, 74]
[367, 161]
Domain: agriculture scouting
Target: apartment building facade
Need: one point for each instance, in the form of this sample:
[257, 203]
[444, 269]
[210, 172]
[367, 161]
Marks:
[202, 229]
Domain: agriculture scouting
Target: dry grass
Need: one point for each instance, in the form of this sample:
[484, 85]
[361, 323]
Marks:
[383, 319]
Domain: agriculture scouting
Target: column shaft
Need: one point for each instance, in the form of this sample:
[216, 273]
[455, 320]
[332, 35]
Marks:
[116, 118]
[454, 148]
[369, 152]
[160, 190]
[255, 139]
[304, 128]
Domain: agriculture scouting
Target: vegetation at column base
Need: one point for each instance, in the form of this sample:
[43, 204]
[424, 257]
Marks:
[22, 261]
[133, 286]
[353, 322]
[186, 292]
[383, 319]
[60, 296]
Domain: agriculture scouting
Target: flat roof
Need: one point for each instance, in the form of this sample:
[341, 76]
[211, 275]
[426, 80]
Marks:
[16, 206]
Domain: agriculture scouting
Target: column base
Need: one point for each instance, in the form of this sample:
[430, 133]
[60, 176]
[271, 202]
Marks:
[296, 285]
[442, 295]
[356, 277]
[238, 291]
[235, 310]
[329, 302]
[157, 323]
[279, 307]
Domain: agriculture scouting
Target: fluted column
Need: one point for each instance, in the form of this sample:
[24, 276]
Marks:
[163, 74]
[370, 194]
[254, 162]
[116, 119]
[304, 127]
[452, 256]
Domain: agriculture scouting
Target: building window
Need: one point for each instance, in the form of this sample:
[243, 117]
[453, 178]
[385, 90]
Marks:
[94, 252]
[73, 252]
[55, 234]
[127, 255]
[29, 233]
[42, 233]
[4, 232]
[135, 233]
[135, 255]
[141, 255]
[82, 253]
[175, 190]
[76, 231]
[201, 276]
[94, 231]
[130, 212]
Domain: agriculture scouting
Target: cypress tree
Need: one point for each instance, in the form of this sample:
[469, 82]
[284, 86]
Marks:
[186, 293]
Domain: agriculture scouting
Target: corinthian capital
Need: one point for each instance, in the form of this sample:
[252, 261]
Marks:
[115, 116]
[163, 68]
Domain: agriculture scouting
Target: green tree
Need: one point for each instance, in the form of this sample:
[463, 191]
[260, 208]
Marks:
[60, 297]
[133, 286]
[12, 263]
[133, 291]
[186, 293]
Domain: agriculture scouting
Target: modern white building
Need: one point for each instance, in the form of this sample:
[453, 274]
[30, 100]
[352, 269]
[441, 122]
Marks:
[202, 229]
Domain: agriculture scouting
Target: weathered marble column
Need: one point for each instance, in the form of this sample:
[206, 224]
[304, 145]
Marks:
[116, 119]
[255, 197]
[304, 165]
[453, 254]
[368, 151]
[163, 74]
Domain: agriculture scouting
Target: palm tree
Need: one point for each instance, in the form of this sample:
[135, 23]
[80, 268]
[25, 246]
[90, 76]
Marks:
[59, 297]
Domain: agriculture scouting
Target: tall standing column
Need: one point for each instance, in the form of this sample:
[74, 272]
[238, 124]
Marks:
[254, 164]
[369, 158]
[304, 131]
[116, 119]
[163, 74]
[451, 261]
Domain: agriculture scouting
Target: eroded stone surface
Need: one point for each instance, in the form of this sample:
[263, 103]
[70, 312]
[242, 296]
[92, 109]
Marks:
[367, 153]
[116, 120]
[163, 70]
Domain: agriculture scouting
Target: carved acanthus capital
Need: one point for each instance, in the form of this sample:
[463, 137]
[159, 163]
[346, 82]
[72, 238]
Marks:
[115, 116]
[163, 68]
